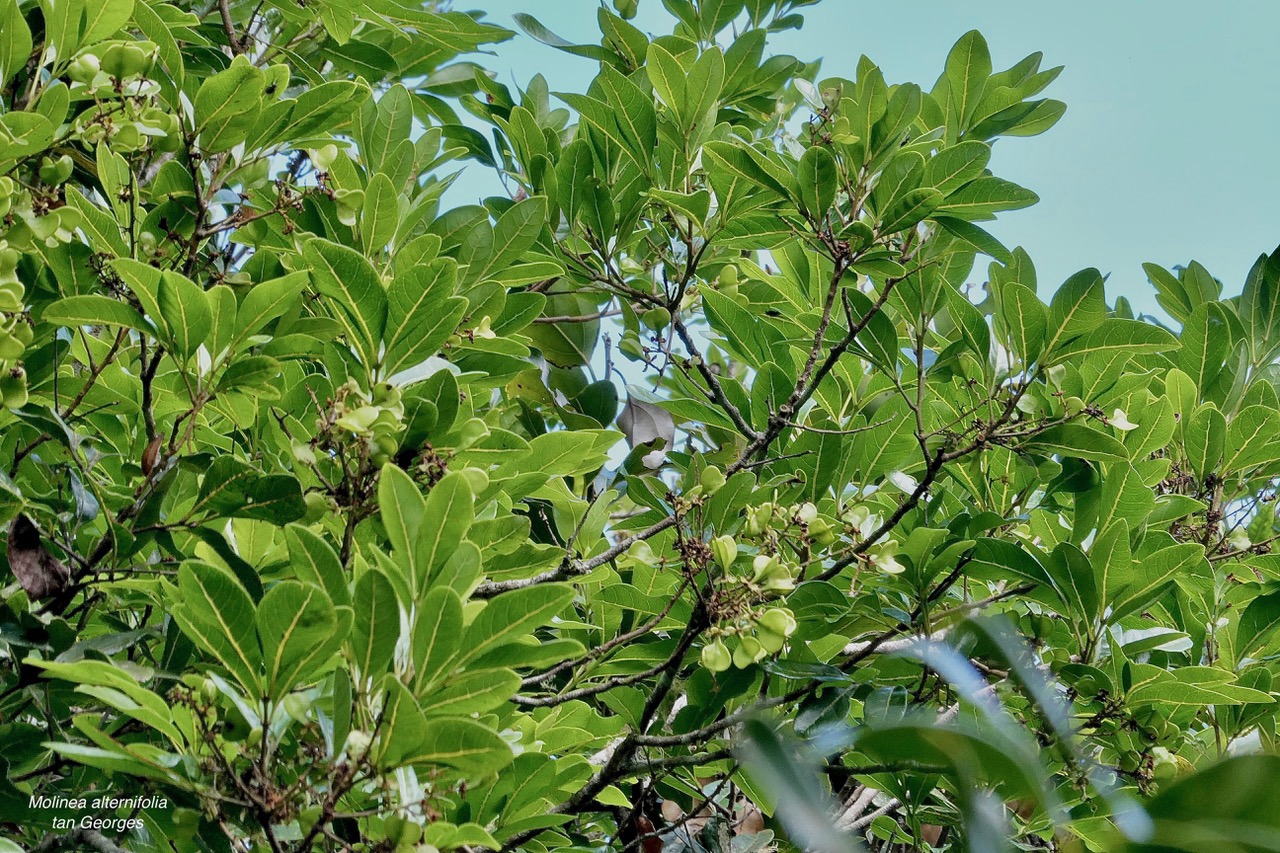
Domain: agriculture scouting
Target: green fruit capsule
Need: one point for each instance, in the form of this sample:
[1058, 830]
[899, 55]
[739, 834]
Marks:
[724, 550]
[749, 651]
[84, 68]
[123, 61]
[54, 172]
[771, 642]
[712, 479]
[778, 620]
[317, 507]
[656, 318]
[630, 347]
[13, 388]
[715, 656]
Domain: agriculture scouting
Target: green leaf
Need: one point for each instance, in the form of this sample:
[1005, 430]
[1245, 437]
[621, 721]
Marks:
[668, 78]
[818, 179]
[1116, 335]
[255, 375]
[967, 69]
[185, 309]
[265, 302]
[513, 615]
[92, 310]
[422, 314]
[702, 89]
[1233, 805]
[232, 488]
[788, 775]
[380, 215]
[437, 636]
[214, 610]
[1257, 626]
[472, 693]
[467, 746]
[984, 197]
[910, 209]
[1078, 441]
[316, 562]
[956, 165]
[1206, 339]
[15, 39]
[1021, 321]
[353, 292]
[227, 105]
[377, 624]
[402, 508]
[446, 518]
[300, 631]
[1205, 434]
[1260, 304]
[1077, 308]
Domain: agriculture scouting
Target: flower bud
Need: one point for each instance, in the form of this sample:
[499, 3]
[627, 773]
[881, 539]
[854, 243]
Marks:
[357, 743]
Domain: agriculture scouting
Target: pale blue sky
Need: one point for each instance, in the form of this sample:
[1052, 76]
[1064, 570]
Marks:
[1168, 150]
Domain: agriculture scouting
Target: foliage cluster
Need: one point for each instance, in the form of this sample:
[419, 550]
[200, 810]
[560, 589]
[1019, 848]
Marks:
[700, 493]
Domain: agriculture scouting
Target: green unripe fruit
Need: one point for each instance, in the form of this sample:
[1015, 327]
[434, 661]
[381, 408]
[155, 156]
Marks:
[84, 68]
[772, 643]
[822, 533]
[13, 388]
[630, 347]
[384, 447]
[127, 138]
[728, 276]
[171, 140]
[385, 394]
[778, 620]
[656, 318]
[254, 738]
[1164, 771]
[626, 8]
[54, 172]
[715, 656]
[317, 507]
[10, 295]
[209, 690]
[724, 550]
[11, 346]
[126, 60]
[712, 479]
[749, 651]
[324, 157]
[476, 479]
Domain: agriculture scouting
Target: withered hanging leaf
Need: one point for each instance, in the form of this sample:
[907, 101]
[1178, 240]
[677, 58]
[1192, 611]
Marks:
[41, 574]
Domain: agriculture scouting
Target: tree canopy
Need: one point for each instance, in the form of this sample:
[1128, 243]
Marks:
[721, 485]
